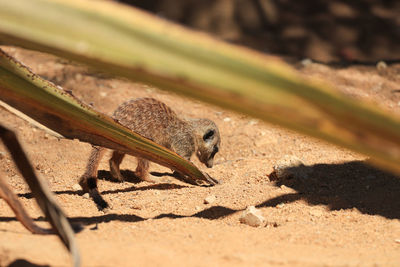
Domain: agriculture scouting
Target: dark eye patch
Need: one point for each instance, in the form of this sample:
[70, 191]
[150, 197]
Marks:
[208, 135]
[215, 150]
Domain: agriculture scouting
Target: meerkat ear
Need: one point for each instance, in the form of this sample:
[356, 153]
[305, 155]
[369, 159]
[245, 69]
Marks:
[208, 135]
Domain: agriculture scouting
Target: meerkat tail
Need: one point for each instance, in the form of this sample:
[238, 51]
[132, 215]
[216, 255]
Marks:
[88, 180]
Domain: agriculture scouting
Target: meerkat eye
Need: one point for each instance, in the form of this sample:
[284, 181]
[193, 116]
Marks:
[208, 135]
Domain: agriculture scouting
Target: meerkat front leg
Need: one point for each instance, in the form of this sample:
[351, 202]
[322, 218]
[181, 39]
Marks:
[115, 161]
[185, 149]
[91, 169]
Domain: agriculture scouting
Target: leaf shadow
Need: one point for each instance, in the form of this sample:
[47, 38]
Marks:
[130, 178]
[24, 263]
[211, 213]
[349, 185]
[162, 186]
[354, 184]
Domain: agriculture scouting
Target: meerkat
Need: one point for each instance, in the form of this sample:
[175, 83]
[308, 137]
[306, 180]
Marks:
[159, 123]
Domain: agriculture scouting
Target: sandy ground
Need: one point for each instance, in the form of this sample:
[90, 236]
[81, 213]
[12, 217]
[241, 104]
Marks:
[343, 213]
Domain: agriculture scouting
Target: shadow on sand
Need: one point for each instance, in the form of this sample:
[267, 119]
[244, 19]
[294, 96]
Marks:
[338, 186]
[354, 184]
[24, 263]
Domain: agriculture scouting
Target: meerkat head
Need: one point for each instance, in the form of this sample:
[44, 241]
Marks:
[207, 140]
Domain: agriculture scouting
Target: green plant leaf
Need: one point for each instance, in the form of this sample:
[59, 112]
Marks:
[62, 112]
[133, 44]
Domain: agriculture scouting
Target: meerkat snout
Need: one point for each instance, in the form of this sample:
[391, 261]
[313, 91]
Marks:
[209, 142]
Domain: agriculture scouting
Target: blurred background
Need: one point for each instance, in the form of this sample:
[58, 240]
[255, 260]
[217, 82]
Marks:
[336, 30]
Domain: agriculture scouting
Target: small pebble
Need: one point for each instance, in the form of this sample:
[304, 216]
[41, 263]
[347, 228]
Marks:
[253, 217]
[397, 241]
[381, 65]
[76, 187]
[289, 167]
[136, 207]
[272, 224]
[280, 205]
[149, 90]
[209, 199]
[103, 94]
[284, 187]
[253, 122]
[2, 155]
[227, 119]
[316, 213]
[78, 77]
[86, 195]
[305, 62]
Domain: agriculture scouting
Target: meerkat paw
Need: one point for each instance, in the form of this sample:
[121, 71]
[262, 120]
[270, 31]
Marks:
[83, 183]
[115, 172]
[151, 179]
[146, 177]
[116, 175]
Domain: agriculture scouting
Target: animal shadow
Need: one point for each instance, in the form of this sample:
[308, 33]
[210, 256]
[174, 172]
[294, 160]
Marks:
[129, 176]
[24, 263]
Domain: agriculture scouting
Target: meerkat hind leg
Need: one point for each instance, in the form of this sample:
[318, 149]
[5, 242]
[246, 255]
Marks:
[91, 169]
[115, 161]
[142, 171]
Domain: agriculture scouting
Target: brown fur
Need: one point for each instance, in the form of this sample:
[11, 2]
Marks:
[159, 123]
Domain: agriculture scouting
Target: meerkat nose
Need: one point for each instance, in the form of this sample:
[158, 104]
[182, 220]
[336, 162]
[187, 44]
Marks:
[210, 163]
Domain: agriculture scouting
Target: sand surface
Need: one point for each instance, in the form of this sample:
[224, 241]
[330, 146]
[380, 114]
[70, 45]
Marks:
[343, 213]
